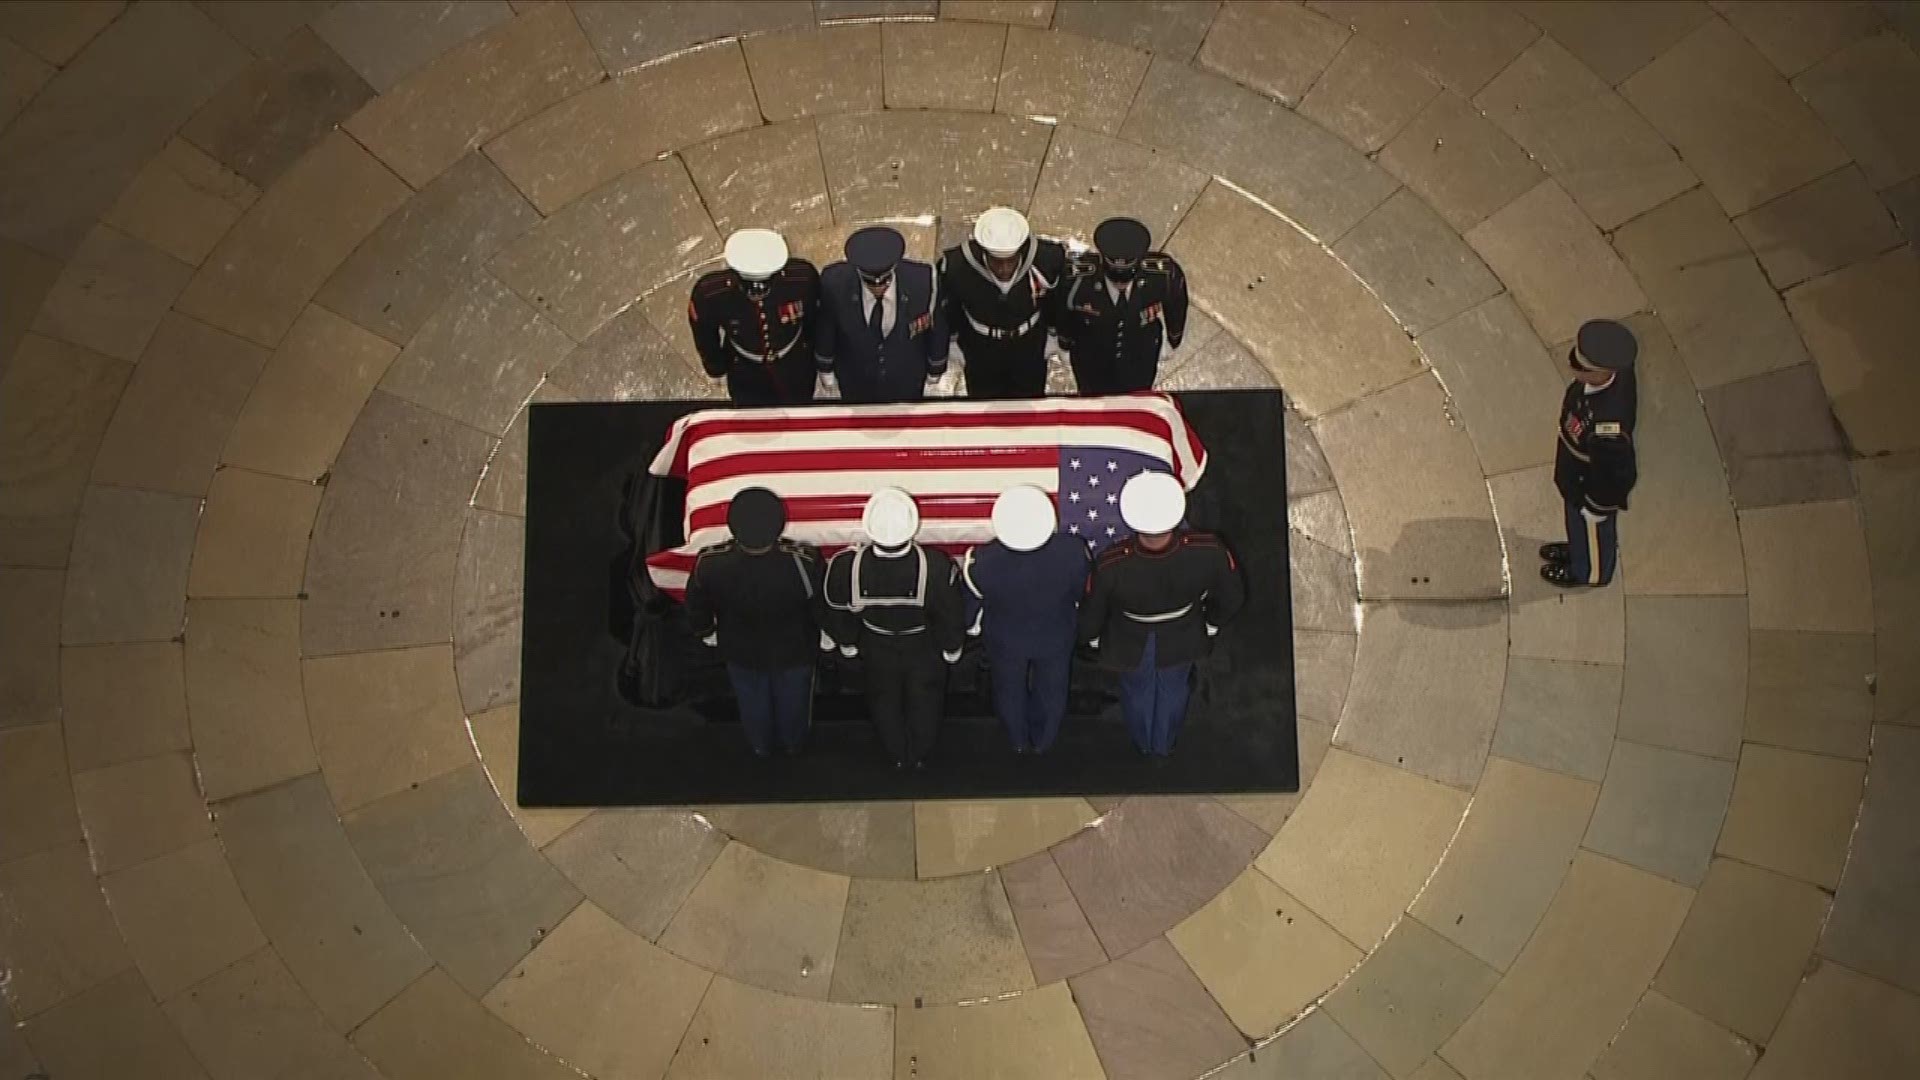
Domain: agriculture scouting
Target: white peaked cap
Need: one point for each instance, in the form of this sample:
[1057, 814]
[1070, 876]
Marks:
[756, 254]
[1023, 517]
[1001, 230]
[891, 518]
[1153, 502]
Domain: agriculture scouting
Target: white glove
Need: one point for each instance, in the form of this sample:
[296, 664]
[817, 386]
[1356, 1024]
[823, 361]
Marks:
[951, 657]
[1211, 629]
[849, 651]
[1591, 516]
[826, 642]
[974, 630]
[711, 639]
[1094, 644]
[829, 385]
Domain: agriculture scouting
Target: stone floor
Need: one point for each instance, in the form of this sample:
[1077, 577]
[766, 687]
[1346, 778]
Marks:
[280, 278]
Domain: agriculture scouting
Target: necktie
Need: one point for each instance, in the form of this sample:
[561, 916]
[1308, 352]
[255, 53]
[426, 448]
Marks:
[877, 320]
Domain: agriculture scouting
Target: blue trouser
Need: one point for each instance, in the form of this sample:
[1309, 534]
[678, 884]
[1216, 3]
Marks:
[773, 704]
[1153, 701]
[1030, 693]
[1593, 547]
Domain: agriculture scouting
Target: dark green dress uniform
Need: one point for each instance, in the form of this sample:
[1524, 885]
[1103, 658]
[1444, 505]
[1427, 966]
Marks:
[758, 335]
[1594, 465]
[1117, 308]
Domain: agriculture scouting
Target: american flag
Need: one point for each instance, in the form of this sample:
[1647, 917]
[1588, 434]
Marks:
[953, 457]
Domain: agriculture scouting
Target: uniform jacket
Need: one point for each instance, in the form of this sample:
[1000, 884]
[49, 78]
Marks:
[1175, 594]
[763, 346]
[985, 312]
[766, 607]
[911, 599]
[1594, 464]
[1026, 601]
[1118, 343]
[898, 367]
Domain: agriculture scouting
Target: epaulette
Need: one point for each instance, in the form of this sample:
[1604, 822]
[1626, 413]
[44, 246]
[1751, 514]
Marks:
[1085, 265]
[1156, 263]
[798, 268]
[1200, 537]
[1115, 553]
[795, 547]
[713, 283]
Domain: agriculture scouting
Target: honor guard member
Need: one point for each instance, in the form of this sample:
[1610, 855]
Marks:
[1154, 603]
[1118, 306]
[897, 605]
[1594, 465]
[757, 597]
[1023, 594]
[753, 322]
[998, 289]
[882, 334]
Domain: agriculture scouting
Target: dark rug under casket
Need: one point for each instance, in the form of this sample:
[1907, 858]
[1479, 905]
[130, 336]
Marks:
[621, 706]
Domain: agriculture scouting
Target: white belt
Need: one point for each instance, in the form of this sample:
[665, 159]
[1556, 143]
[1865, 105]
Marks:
[769, 357]
[1159, 617]
[1000, 333]
[872, 629]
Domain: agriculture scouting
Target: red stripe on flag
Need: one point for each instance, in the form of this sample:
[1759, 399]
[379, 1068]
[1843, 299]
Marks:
[872, 459]
[813, 508]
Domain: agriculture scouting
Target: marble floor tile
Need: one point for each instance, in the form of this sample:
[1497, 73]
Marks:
[112, 294]
[383, 722]
[1833, 222]
[1507, 862]
[479, 357]
[307, 887]
[433, 1029]
[585, 265]
[56, 32]
[627, 37]
[22, 74]
[178, 409]
[1367, 94]
[1220, 364]
[1559, 715]
[1577, 980]
[253, 535]
[457, 872]
[36, 791]
[385, 43]
[1410, 995]
[1461, 45]
[1277, 49]
[380, 571]
[1793, 812]
[1294, 165]
[427, 249]
[1664, 1039]
[1855, 321]
[1418, 266]
[477, 90]
[857, 839]
[30, 646]
[1152, 862]
[1174, 31]
[113, 1030]
[560, 155]
[907, 942]
[1037, 1035]
[600, 997]
[1426, 687]
[1261, 953]
[1744, 946]
[1807, 567]
[1324, 593]
[1316, 1046]
[766, 922]
[58, 939]
[28, 276]
[941, 65]
[182, 202]
[1150, 1017]
[961, 837]
[261, 26]
[1080, 81]
[1660, 810]
[1616, 41]
[637, 864]
[1322, 518]
[260, 123]
[1053, 930]
[1362, 843]
[308, 396]
[1270, 812]
[496, 733]
[1903, 199]
[1546, 622]
[1734, 120]
[1794, 37]
[1495, 370]
[764, 177]
[253, 1020]
[1556, 263]
[827, 11]
[122, 702]
[1457, 161]
[1436, 1069]
[138, 810]
[1864, 93]
[625, 360]
[903, 164]
[183, 916]
[742, 1030]
[57, 402]
[1686, 673]
[815, 72]
[1074, 195]
[1845, 1026]
[1322, 674]
[1779, 439]
[1029, 13]
[1307, 468]
[1810, 691]
[1889, 491]
[245, 707]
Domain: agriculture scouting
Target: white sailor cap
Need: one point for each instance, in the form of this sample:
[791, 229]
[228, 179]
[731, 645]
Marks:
[1153, 502]
[1001, 231]
[756, 254]
[890, 518]
[1023, 517]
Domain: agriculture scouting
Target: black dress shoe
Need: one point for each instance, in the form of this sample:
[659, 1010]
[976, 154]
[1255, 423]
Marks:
[1559, 574]
[1556, 552]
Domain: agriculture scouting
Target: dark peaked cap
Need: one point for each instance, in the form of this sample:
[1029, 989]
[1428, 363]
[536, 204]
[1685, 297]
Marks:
[756, 517]
[875, 249]
[1605, 345]
[1122, 239]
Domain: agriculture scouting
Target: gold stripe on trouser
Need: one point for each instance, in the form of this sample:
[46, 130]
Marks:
[1593, 550]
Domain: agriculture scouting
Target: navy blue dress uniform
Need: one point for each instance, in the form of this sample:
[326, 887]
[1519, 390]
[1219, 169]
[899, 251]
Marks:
[1594, 465]
[758, 598]
[1023, 595]
[999, 289]
[882, 334]
[1153, 605]
[1117, 308]
[753, 321]
[897, 605]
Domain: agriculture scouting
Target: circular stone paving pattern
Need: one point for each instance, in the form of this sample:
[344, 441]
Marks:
[291, 274]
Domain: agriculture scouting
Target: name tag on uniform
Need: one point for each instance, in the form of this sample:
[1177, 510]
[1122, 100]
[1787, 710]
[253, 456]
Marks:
[1152, 313]
[921, 325]
[1607, 428]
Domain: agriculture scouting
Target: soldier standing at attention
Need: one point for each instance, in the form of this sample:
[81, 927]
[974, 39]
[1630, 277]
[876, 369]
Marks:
[757, 597]
[883, 332]
[897, 604]
[1154, 603]
[753, 322]
[997, 287]
[1023, 593]
[1594, 465]
[1116, 306]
